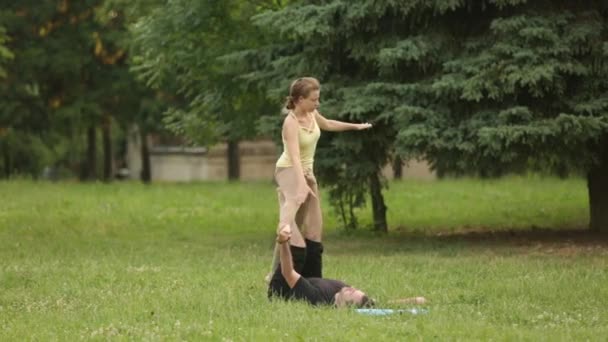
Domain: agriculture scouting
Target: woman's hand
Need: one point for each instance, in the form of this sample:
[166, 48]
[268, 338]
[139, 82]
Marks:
[303, 192]
[363, 126]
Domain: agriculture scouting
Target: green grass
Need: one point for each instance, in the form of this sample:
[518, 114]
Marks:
[187, 261]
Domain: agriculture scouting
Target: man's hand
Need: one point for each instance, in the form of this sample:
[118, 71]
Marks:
[287, 270]
[411, 300]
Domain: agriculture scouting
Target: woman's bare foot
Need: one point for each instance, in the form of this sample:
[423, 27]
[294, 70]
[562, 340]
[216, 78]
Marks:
[286, 228]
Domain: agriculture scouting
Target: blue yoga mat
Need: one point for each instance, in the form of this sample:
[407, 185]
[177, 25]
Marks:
[384, 312]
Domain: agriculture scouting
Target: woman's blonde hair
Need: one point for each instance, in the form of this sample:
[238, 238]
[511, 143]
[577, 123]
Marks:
[302, 87]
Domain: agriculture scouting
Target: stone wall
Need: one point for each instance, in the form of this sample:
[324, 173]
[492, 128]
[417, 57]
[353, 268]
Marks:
[183, 164]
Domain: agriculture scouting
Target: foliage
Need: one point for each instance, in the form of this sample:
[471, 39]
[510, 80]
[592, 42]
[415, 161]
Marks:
[43, 94]
[527, 89]
[482, 88]
[178, 48]
[69, 74]
[473, 87]
[5, 53]
[28, 150]
[322, 40]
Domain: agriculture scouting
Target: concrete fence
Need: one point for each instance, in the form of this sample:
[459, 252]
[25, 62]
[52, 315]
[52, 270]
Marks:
[257, 159]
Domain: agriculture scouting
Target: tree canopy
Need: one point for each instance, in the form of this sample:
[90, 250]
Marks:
[179, 45]
[5, 53]
[69, 77]
[483, 87]
[473, 87]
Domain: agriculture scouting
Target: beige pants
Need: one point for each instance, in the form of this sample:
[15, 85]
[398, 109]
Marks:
[304, 218]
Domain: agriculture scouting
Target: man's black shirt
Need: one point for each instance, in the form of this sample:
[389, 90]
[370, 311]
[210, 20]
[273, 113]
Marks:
[317, 291]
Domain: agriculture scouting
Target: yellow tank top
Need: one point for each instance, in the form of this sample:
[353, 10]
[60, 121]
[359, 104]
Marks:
[307, 139]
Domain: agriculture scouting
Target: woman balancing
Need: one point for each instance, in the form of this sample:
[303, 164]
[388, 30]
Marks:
[299, 205]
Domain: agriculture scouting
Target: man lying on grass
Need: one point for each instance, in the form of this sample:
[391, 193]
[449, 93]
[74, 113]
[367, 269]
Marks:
[305, 281]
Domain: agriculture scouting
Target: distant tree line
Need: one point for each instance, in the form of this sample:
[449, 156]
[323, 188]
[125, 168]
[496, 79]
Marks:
[474, 87]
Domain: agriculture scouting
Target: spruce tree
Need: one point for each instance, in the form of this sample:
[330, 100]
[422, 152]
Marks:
[484, 87]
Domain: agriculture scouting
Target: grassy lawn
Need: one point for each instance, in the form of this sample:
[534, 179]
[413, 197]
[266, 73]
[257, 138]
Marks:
[499, 260]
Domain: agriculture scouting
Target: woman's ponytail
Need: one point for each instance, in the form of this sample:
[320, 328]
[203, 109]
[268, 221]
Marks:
[302, 87]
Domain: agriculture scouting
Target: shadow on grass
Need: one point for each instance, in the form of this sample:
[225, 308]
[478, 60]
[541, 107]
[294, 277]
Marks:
[537, 241]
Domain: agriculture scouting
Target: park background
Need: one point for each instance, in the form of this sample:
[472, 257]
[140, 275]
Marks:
[504, 101]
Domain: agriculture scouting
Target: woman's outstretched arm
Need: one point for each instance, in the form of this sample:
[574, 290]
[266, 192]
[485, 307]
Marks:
[339, 126]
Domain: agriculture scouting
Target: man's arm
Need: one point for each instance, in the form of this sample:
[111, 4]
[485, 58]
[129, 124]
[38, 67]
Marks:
[289, 273]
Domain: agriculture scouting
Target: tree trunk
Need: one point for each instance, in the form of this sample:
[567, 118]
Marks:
[7, 161]
[107, 148]
[597, 185]
[397, 168]
[234, 163]
[146, 174]
[89, 171]
[342, 212]
[378, 206]
[352, 223]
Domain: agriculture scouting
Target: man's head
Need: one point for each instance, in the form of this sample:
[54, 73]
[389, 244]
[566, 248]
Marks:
[350, 296]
